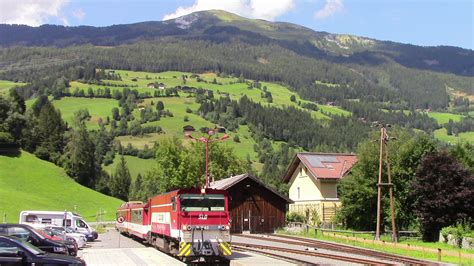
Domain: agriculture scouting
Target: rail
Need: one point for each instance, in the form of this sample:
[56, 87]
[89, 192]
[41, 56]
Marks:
[307, 253]
[311, 243]
[355, 250]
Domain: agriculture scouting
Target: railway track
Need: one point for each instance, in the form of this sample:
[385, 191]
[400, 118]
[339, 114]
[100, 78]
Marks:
[261, 248]
[312, 243]
[280, 256]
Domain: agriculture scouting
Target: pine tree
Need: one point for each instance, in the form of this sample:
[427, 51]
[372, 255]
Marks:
[50, 128]
[120, 183]
[160, 106]
[79, 158]
[136, 189]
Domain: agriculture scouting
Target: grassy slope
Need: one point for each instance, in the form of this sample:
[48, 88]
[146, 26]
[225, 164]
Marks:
[5, 85]
[443, 118]
[281, 95]
[98, 108]
[442, 135]
[27, 182]
[173, 126]
[135, 165]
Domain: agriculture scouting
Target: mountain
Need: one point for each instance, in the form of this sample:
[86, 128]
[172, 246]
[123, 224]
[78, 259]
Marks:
[221, 26]
[399, 76]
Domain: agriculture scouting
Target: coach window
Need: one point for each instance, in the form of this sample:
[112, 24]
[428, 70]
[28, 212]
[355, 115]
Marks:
[173, 203]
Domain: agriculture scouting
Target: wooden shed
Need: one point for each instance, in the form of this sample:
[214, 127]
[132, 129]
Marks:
[254, 207]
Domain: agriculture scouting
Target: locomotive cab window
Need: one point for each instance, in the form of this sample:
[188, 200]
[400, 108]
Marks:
[196, 202]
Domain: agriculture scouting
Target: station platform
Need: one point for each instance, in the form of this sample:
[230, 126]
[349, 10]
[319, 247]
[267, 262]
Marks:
[127, 256]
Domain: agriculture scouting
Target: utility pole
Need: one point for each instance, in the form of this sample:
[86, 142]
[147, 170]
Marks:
[384, 138]
[206, 141]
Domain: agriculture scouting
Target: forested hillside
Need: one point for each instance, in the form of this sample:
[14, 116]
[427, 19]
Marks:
[276, 88]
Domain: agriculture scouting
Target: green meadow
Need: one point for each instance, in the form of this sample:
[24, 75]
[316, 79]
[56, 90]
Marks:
[6, 85]
[442, 135]
[135, 165]
[228, 86]
[443, 118]
[173, 126]
[27, 182]
[98, 108]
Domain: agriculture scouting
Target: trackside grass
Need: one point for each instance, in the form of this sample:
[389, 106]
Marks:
[28, 183]
[416, 249]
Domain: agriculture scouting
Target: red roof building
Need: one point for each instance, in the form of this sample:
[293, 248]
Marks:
[313, 179]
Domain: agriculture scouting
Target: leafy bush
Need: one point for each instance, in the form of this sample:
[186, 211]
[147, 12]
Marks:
[6, 138]
[460, 230]
[295, 217]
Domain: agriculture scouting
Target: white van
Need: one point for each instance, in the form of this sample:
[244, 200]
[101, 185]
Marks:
[56, 218]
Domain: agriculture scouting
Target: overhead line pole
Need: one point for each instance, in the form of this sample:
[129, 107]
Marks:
[206, 141]
[383, 149]
[379, 187]
[392, 203]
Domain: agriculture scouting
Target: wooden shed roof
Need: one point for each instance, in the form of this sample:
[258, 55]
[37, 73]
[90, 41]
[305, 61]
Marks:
[226, 183]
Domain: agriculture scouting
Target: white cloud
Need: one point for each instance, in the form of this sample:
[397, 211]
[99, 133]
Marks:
[263, 9]
[79, 13]
[31, 12]
[329, 9]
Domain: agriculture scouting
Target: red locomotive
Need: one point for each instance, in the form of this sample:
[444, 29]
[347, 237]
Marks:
[185, 222]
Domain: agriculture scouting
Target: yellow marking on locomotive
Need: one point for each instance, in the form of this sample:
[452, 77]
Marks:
[184, 249]
[225, 248]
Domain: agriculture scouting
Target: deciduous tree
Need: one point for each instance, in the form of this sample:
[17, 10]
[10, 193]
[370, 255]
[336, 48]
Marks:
[444, 193]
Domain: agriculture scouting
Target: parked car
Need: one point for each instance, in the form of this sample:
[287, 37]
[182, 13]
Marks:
[70, 243]
[61, 231]
[27, 233]
[15, 251]
[90, 237]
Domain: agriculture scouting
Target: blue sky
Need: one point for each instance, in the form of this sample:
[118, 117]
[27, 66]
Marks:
[420, 22]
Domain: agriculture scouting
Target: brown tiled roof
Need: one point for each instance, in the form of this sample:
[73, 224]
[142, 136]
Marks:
[322, 165]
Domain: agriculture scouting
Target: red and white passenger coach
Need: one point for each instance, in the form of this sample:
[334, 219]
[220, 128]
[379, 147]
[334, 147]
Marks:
[184, 222]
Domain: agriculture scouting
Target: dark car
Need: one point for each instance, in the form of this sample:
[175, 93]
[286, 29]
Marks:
[28, 234]
[14, 251]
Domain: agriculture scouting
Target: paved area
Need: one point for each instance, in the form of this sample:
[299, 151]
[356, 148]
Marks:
[128, 256]
[114, 249]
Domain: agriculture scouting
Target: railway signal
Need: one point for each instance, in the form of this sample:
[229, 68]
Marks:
[206, 141]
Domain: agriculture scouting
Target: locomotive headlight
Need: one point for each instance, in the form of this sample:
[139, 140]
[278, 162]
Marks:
[186, 227]
[227, 227]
